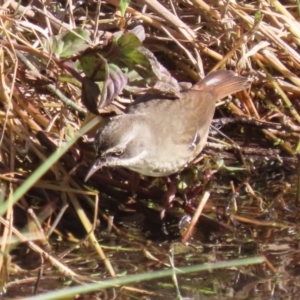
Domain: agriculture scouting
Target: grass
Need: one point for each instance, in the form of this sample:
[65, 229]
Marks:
[250, 168]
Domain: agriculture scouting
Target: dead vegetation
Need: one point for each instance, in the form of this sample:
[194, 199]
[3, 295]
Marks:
[249, 167]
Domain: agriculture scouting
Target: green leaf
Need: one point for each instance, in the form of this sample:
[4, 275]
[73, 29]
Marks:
[123, 6]
[92, 66]
[114, 84]
[97, 94]
[135, 58]
[68, 43]
[128, 42]
[258, 16]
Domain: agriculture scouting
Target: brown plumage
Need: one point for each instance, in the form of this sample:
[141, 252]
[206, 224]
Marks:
[159, 136]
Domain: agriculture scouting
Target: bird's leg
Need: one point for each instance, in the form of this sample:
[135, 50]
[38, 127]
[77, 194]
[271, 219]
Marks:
[133, 182]
[169, 195]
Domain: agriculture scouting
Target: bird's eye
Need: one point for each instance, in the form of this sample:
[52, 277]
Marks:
[118, 153]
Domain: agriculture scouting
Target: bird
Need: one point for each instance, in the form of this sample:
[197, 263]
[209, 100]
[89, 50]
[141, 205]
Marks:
[159, 136]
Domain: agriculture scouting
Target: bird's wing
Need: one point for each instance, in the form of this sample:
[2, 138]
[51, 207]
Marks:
[196, 114]
[141, 104]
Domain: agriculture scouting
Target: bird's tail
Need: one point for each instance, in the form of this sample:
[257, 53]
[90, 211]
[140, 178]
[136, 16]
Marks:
[222, 83]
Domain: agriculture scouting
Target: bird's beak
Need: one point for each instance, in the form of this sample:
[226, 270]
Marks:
[95, 167]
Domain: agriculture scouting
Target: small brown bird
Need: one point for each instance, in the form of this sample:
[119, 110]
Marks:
[160, 136]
